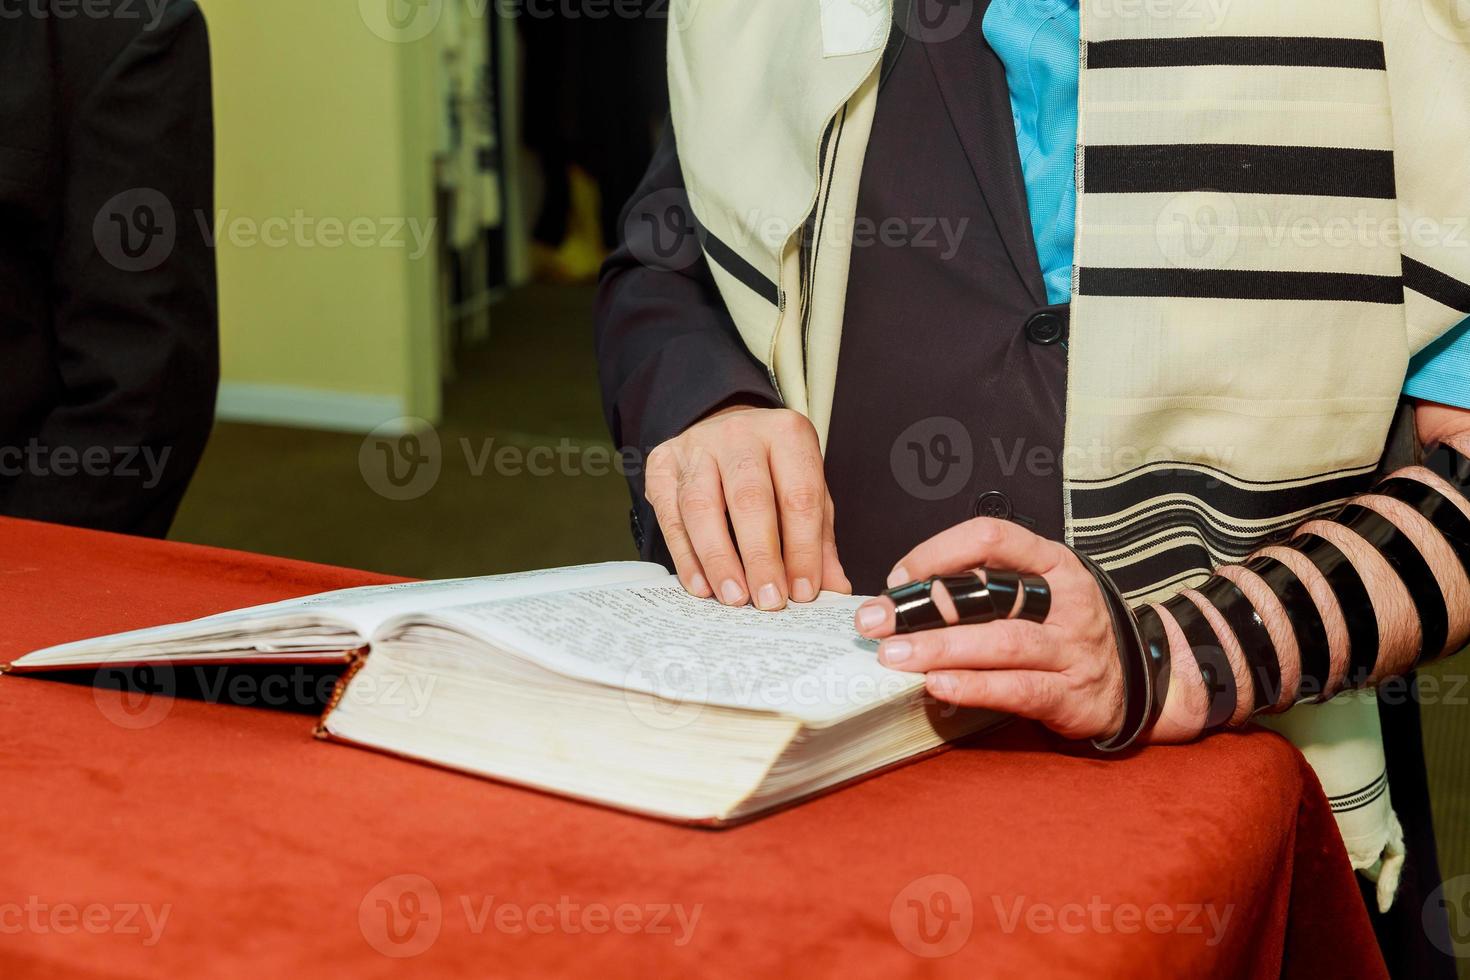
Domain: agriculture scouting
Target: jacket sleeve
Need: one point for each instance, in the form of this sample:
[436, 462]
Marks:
[134, 305]
[668, 352]
[1427, 46]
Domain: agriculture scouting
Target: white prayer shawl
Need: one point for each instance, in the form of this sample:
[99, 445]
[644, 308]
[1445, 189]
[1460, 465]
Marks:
[1236, 353]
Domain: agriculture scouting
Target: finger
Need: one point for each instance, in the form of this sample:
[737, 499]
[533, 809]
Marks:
[874, 618]
[702, 511]
[834, 576]
[984, 542]
[751, 498]
[878, 616]
[1001, 645]
[1034, 694]
[660, 490]
[801, 498]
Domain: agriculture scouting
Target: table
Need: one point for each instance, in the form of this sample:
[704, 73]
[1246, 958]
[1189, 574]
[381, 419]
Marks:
[180, 837]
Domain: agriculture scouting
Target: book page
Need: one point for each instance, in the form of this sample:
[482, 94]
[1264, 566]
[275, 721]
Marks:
[806, 660]
[281, 627]
[368, 607]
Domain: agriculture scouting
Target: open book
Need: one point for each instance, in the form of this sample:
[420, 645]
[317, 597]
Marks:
[602, 682]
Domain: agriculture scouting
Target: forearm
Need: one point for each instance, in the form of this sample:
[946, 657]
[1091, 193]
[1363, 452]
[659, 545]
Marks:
[1348, 602]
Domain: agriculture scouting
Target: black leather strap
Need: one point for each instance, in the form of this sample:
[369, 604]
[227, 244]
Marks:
[1156, 649]
[1459, 470]
[1352, 600]
[1004, 587]
[976, 601]
[1450, 521]
[1306, 625]
[1035, 599]
[914, 608]
[1209, 653]
[1138, 681]
[1251, 633]
[1403, 555]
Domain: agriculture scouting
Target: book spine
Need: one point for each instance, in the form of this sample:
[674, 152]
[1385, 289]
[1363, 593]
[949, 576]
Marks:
[356, 658]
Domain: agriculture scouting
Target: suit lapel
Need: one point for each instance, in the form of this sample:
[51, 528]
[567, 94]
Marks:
[972, 84]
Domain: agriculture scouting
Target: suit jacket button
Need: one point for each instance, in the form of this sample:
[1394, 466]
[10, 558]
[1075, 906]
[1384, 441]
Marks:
[993, 503]
[1044, 329]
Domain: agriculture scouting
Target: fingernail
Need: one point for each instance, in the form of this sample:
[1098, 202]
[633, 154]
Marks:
[769, 597]
[895, 651]
[802, 591]
[870, 616]
[732, 593]
[697, 584]
[899, 576]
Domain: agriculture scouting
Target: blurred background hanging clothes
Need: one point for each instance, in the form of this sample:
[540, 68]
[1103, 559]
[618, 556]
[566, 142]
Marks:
[594, 96]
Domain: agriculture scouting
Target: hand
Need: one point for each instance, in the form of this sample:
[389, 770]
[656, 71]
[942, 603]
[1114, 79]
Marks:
[763, 468]
[1063, 673]
[1442, 425]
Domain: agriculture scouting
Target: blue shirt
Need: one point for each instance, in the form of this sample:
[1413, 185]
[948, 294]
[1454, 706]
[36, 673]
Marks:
[1038, 41]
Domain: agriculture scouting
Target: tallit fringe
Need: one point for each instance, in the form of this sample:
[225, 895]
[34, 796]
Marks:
[1381, 862]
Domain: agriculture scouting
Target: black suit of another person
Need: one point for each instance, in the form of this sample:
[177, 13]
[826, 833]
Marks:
[109, 350]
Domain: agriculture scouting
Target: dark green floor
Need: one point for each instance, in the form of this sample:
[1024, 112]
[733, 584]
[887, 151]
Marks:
[304, 495]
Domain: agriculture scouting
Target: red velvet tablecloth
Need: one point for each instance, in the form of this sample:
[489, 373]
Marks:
[193, 839]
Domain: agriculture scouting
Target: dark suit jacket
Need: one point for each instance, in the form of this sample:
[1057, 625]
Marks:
[108, 311]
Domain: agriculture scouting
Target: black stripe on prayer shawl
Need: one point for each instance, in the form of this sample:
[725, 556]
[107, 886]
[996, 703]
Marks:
[1150, 540]
[1286, 52]
[1222, 539]
[1258, 500]
[1241, 284]
[1361, 797]
[1181, 561]
[1436, 285]
[1238, 168]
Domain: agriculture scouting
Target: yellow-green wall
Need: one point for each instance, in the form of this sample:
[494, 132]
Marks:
[319, 119]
